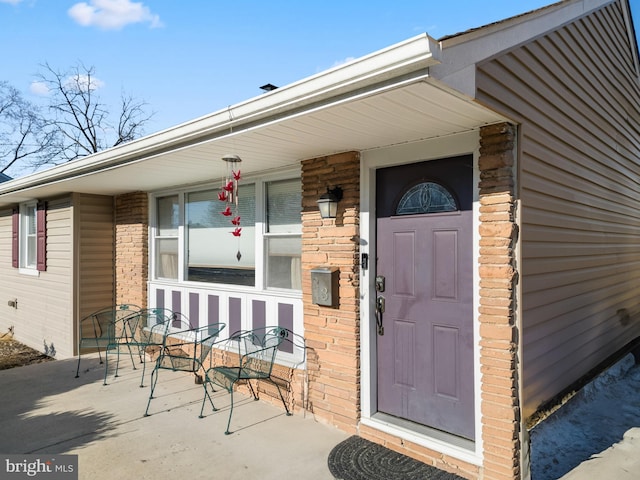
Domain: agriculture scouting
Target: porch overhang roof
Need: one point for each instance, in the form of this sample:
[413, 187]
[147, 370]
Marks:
[383, 99]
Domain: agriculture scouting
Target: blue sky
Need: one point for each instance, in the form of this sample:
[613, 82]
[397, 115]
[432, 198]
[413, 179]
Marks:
[189, 58]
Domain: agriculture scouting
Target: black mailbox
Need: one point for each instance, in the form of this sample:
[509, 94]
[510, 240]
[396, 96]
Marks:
[324, 286]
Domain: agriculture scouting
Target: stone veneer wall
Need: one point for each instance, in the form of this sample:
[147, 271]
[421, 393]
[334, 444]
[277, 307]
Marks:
[132, 248]
[332, 334]
[498, 330]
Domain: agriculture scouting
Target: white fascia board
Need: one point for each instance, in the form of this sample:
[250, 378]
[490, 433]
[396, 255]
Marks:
[462, 52]
[412, 55]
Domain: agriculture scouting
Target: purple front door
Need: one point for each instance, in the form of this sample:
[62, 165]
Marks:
[424, 297]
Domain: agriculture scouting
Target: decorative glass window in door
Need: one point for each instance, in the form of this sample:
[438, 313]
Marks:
[426, 197]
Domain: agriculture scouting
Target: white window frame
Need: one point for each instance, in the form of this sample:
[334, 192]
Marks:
[23, 249]
[267, 235]
[260, 232]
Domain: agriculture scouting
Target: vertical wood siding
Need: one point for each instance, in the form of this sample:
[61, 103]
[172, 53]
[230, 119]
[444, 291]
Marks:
[576, 95]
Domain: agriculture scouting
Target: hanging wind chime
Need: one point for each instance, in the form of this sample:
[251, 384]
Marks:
[229, 195]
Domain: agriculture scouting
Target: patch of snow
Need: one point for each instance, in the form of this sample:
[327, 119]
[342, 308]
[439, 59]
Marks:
[596, 418]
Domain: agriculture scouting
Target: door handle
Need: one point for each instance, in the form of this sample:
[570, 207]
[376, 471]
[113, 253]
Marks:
[380, 306]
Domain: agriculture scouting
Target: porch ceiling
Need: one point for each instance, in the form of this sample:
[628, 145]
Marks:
[394, 114]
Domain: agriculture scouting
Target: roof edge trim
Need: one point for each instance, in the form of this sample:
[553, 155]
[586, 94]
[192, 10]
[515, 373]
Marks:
[411, 55]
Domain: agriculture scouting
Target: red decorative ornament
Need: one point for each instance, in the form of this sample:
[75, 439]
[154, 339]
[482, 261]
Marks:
[229, 195]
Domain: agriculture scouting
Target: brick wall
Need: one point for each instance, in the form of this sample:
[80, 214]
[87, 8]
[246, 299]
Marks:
[498, 335]
[132, 222]
[332, 333]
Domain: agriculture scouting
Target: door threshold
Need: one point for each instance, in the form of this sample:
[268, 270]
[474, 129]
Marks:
[430, 436]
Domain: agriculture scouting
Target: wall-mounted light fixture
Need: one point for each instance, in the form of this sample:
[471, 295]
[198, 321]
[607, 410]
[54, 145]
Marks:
[328, 202]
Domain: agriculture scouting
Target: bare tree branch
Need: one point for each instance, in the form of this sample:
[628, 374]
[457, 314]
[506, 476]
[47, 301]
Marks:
[22, 133]
[75, 123]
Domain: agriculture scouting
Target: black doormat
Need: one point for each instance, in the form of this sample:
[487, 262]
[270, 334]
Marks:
[360, 459]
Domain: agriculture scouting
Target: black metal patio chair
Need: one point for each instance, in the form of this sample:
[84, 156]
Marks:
[254, 352]
[97, 329]
[185, 351]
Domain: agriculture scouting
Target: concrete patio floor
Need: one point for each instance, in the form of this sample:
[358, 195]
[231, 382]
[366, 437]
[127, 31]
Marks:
[44, 409]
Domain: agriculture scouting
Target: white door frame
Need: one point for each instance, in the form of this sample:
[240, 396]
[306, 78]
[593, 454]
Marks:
[453, 145]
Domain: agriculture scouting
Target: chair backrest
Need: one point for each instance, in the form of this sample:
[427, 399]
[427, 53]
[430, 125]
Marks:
[180, 322]
[101, 324]
[188, 350]
[203, 338]
[295, 345]
[125, 310]
[257, 350]
[209, 337]
[150, 325]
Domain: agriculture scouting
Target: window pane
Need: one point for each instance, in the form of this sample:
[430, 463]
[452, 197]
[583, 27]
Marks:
[168, 216]
[28, 239]
[31, 220]
[427, 197]
[212, 249]
[284, 206]
[31, 251]
[284, 269]
[167, 258]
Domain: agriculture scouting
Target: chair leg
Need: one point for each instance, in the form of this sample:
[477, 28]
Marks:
[255, 396]
[133, 363]
[141, 353]
[206, 395]
[230, 411]
[106, 365]
[78, 367]
[154, 380]
[144, 366]
[117, 360]
[80, 355]
[281, 397]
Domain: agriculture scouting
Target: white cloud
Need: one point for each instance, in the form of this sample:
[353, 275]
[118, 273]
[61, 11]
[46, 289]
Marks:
[342, 62]
[112, 14]
[82, 82]
[39, 88]
[85, 82]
